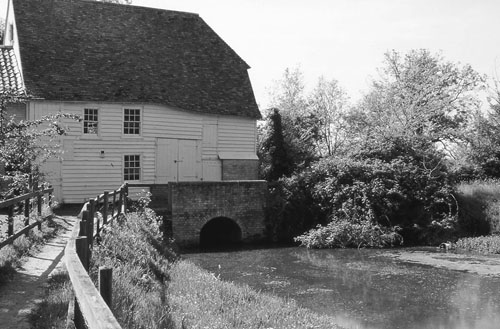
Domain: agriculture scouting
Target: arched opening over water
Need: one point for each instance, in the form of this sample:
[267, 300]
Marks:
[220, 231]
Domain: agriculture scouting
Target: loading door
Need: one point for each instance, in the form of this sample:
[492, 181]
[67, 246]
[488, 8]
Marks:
[176, 160]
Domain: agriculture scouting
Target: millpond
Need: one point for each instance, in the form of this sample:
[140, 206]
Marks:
[372, 289]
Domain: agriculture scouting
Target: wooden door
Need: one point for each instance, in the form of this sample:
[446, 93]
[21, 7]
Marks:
[176, 160]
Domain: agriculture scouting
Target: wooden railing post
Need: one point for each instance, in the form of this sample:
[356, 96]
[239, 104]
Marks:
[10, 228]
[120, 201]
[50, 197]
[39, 204]
[39, 209]
[113, 205]
[105, 208]
[82, 250]
[125, 195]
[106, 284]
[91, 222]
[27, 204]
[84, 223]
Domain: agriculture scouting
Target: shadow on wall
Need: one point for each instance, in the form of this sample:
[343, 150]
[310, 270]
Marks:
[220, 231]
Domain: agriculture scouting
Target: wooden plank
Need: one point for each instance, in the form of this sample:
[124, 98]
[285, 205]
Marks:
[8, 202]
[21, 232]
[94, 309]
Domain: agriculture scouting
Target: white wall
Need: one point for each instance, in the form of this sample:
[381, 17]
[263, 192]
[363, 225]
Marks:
[84, 173]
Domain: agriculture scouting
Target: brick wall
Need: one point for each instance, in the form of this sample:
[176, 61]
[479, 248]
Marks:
[240, 169]
[193, 204]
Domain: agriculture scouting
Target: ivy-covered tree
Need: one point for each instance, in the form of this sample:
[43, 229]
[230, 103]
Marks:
[275, 162]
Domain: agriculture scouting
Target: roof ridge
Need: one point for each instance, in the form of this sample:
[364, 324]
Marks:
[102, 3]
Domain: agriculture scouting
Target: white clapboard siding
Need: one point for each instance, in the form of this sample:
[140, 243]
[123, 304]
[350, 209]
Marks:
[84, 172]
[236, 135]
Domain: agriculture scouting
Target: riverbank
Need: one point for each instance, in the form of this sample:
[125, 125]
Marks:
[154, 289]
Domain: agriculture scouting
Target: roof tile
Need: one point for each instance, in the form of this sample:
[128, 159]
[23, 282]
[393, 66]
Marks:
[79, 50]
[10, 76]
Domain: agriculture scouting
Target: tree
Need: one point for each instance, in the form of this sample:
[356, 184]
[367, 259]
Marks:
[24, 144]
[275, 162]
[328, 103]
[420, 95]
[299, 126]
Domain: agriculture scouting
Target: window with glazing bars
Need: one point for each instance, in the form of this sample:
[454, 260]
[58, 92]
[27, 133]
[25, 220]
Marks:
[90, 121]
[132, 121]
[132, 167]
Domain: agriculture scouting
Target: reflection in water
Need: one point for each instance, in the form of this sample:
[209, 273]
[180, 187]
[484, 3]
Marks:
[362, 289]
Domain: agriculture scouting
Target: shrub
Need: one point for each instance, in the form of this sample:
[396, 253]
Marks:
[343, 233]
[482, 244]
[382, 192]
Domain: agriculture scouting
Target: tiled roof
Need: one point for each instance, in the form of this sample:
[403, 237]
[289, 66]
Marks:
[10, 76]
[79, 50]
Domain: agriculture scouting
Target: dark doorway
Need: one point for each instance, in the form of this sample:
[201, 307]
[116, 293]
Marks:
[220, 231]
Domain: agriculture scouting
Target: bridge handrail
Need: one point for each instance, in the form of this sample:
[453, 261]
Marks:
[90, 308]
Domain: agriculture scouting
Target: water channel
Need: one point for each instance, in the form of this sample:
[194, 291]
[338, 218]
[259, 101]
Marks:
[372, 289]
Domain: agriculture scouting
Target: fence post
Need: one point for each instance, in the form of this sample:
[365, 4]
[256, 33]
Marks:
[10, 220]
[91, 222]
[82, 249]
[50, 197]
[27, 204]
[105, 208]
[125, 196]
[120, 201]
[84, 223]
[106, 284]
[113, 205]
[39, 209]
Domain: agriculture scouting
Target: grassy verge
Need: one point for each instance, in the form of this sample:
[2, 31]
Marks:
[11, 256]
[151, 289]
[200, 300]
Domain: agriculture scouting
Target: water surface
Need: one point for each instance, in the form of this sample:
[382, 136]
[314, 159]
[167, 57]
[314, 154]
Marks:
[364, 288]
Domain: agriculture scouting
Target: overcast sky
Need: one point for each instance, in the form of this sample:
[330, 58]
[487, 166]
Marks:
[345, 39]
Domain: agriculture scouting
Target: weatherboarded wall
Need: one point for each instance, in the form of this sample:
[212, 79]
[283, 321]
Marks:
[93, 163]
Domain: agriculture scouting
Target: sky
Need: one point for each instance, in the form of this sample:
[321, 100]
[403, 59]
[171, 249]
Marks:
[345, 39]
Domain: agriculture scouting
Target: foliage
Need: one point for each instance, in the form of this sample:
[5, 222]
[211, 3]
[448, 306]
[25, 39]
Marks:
[141, 258]
[273, 155]
[25, 145]
[481, 153]
[345, 233]
[479, 207]
[481, 244]
[419, 95]
[384, 193]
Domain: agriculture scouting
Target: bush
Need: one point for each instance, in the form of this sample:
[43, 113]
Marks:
[385, 192]
[342, 233]
[482, 244]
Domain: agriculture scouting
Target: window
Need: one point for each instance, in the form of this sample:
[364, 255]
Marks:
[90, 121]
[132, 167]
[131, 121]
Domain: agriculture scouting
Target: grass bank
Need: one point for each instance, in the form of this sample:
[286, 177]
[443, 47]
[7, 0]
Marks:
[152, 288]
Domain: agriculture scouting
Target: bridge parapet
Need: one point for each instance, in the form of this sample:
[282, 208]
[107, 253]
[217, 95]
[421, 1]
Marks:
[193, 204]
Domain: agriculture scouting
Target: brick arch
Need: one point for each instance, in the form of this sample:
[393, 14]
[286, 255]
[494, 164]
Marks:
[194, 204]
[220, 231]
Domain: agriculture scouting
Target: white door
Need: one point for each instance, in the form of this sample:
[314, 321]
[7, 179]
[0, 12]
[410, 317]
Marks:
[176, 160]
